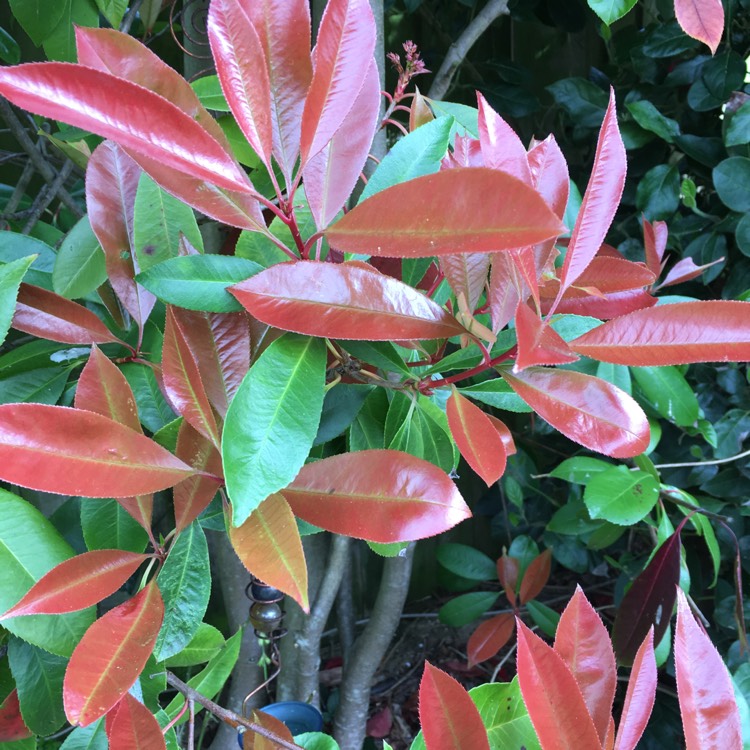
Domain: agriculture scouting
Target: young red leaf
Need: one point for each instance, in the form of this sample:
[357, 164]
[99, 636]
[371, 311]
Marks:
[379, 495]
[714, 331]
[182, 381]
[49, 316]
[129, 114]
[583, 643]
[505, 290]
[585, 409]
[270, 547]
[501, 147]
[685, 270]
[489, 638]
[466, 273]
[549, 173]
[77, 583]
[505, 435]
[449, 718]
[12, 727]
[701, 19]
[600, 201]
[341, 59]
[74, 452]
[475, 209]
[111, 655]
[535, 577]
[581, 302]
[655, 242]
[131, 726]
[343, 301]
[254, 741]
[710, 717]
[639, 699]
[538, 342]
[648, 602]
[554, 701]
[609, 275]
[507, 573]
[477, 438]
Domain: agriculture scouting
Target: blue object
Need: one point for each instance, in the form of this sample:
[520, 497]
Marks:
[298, 717]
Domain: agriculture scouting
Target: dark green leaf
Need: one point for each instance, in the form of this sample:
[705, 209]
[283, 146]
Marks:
[584, 101]
[466, 608]
[382, 354]
[40, 386]
[340, 407]
[368, 429]
[153, 410]
[667, 40]
[649, 118]
[545, 617]
[466, 562]
[106, 525]
[113, 10]
[738, 130]
[38, 17]
[10, 52]
[658, 192]
[731, 180]
[496, 393]
[61, 43]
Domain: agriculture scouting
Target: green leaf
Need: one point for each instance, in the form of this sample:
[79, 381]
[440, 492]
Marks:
[742, 234]
[38, 17]
[669, 392]
[30, 546]
[610, 10]
[316, 741]
[11, 275]
[416, 154]
[584, 101]
[505, 716]
[14, 246]
[92, 737]
[388, 549]
[668, 40]
[738, 129]
[153, 410]
[706, 530]
[618, 375]
[658, 193]
[466, 562]
[199, 282]
[185, 585]
[40, 386]
[107, 525]
[272, 421]
[731, 180]
[621, 496]
[10, 52]
[61, 43]
[382, 354]
[208, 90]
[113, 10]
[368, 429]
[466, 118]
[496, 393]
[545, 617]
[340, 408]
[203, 646]
[39, 678]
[649, 118]
[79, 267]
[158, 221]
[466, 608]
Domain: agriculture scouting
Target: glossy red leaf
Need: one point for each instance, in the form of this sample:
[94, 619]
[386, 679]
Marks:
[600, 201]
[655, 242]
[111, 655]
[535, 577]
[648, 602]
[505, 290]
[639, 698]
[583, 643]
[605, 307]
[77, 583]
[466, 273]
[710, 717]
[131, 726]
[331, 175]
[701, 19]
[449, 718]
[341, 59]
[476, 437]
[270, 547]
[552, 696]
[538, 342]
[473, 209]
[12, 727]
[49, 316]
[243, 72]
[714, 331]
[549, 173]
[343, 301]
[609, 275]
[379, 495]
[192, 496]
[490, 637]
[507, 573]
[129, 114]
[75, 452]
[685, 270]
[182, 381]
[284, 32]
[505, 434]
[585, 409]
[501, 147]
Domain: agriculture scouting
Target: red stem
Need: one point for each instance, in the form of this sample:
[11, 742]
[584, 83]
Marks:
[431, 384]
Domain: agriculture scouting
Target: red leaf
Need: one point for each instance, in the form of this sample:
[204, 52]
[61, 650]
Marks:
[549, 173]
[710, 717]
[243, 71]
[254, 741]
[380, 724]
[613, 275]
[655, 242]
[505, 434]
[75, 452]
[270, 547]
[182, 381]
[467, 274]
[701, 19]
[609, 306]
[648, 602]
[449, 718]
[50, 316]
[639, 699]
[341, 59]
[501, 147]
[111, 655]
[11, 722]
[535, 577]
[489, 638]
[192, 495]
[507, 573]
[477, 438]
[331, 175]
[379, 495]
[77, 583]
[715, 331]
[343, 301]
[585, 409]
[600, 200]
[538, 343]
[583, 643]
[685, 270]
[474, 208]
[125, 112]
[505, 291]
[131, 726]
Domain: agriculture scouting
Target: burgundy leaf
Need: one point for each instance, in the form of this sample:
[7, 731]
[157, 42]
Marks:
[535, 577]
[490, 637]
[12, 727]
[501, 147]
[701, 19]
[685, 270]
[655, 242]
[507, 573]
[538, 342]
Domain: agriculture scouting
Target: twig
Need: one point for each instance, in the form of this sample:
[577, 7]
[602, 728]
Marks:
[46, 195]
[129, 17]
[20, 188]
[460, 48]
[710, 462]
[191, 725]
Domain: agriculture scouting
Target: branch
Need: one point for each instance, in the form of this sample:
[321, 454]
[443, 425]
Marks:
[460, 48]
[709, 462]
